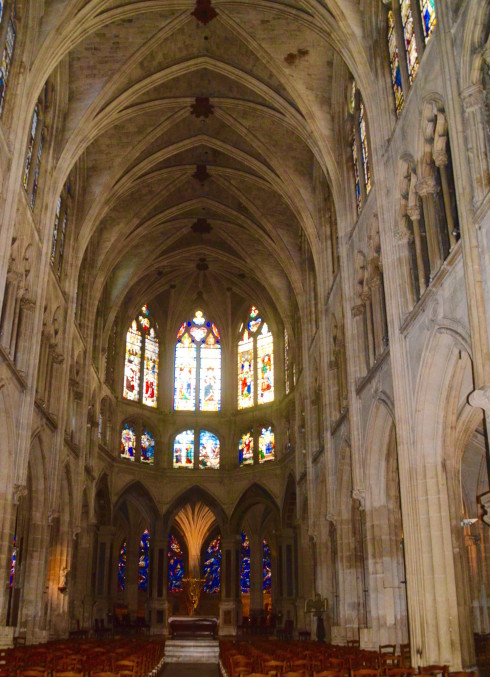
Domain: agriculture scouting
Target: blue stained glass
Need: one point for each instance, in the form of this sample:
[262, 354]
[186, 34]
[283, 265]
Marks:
[246, 449]
[144, 561]
[212, 567]
[267, 567]
[184, 449]
[121, 566]
[147, 447]
[185, 374]
[428, 17]
[209, 450]
[13, 563]
[128, 442]
[245, 565]
[175, 565]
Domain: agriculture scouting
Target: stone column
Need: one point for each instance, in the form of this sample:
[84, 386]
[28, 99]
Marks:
[9, 305]
[413, 212]
[427, 189]
[158, 600]
[481, 400]
[24, 334]
[103, 574]
[474, 117]
[230, 607]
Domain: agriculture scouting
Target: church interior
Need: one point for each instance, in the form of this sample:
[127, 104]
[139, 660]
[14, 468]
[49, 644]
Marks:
[245, 320]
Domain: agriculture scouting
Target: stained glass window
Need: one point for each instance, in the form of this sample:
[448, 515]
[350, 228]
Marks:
[128, 442]
[198, 371]
[142, 357]
[356, 172]
[245, 565]
[37, 170]
[13, 563]
[55, 230]
[121, 566]
[409, 37]
[396, 76]
[209, 450]
[266, 445]
[147, 447]
[175, 565]
[30, 146]
[265, 366]
[267, 566]
[7, 54]
[245, 371]
[144, 561]
[184, 449]
[364, 147]
[212, 567]
[246, 449]
[428, 17]
[286, 360]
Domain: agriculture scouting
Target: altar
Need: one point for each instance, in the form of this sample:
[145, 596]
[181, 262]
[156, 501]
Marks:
[182, 627]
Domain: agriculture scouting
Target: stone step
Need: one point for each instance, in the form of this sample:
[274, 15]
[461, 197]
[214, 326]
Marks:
[191, 651]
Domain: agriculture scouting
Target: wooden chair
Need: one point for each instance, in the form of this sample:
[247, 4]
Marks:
[389, 661]
[462, 674]
[330, 663]
[299, 664]
[103, 674]
[33, 672]
[365, 672]
[406, 659]
[353, 643]
[329, 673]
[295, 673]
[399, 672]
[126, 668]
[435, 670]
[272, 667]
[68, 673]
[387, 649]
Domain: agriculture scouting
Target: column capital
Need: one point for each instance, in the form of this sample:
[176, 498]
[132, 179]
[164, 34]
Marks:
[472, 98]
[480, 399]
[427, 186]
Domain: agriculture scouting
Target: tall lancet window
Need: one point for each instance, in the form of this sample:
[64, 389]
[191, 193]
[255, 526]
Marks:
[197, 366]
[7, 30]
[144, 561]
[360, 147]
[409, 37]
[255, 361]
[428, 12]
[141, 365]
[396, 76]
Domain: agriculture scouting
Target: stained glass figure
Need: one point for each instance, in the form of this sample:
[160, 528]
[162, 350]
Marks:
[409, 37]
[357, 180]
[212, 567]
[61, 250]
[8, 52]
[121, 566]
[246, 449]
[55, 230]
[1, 12]
[37, 169]
[286, 360]
[266, 445]
[209, 450]
[245, 371]
[428, 17]
[147, 448]
[128, 442]
[245, 565]
[144, 561]
[175, 565]
[352, 98]
[267, 567]
[265, 366]
[364, 147]
[396, 76]
[13, 563]
[184, 449]
[150, 388]
[198, 370]
[30, 146]
[133, 363]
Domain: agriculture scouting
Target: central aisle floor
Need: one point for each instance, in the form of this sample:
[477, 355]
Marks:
[190, 670]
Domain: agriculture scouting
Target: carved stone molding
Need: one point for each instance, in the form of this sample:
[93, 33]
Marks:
[360, 496]
[472, 98]
[20, 490]
[480, 399]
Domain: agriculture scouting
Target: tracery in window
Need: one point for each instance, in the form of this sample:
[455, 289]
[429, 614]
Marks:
[128, 442]
[197, 370]
[142, 356]
[360, 148]
[144, 561]
[429, 20]
[184, 449]
[147, 447]
[212, 567]
[245, 565]
[7, 54]
[267, 567]
[246, 448]
[30, 146]
[175, 565]
[409, 37]
[63, 206]
[121, 566]
[356, 173]
[396, 76]
[266, 445]
[255, 346]
[364, 148]
[209, 450]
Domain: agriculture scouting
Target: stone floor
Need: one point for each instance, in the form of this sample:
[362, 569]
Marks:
[189, 670]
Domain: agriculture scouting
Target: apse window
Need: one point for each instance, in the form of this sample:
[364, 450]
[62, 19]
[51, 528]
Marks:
[175, 565]
[266, 445]
[141, 364]
[209, 450]
[246, 448]
[197, 366]
[212, 567]
[255, 349]
[145, 451]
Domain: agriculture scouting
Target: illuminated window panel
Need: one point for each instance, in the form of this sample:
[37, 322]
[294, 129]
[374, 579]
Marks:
[8, 52]
[132, 365]
[150, 388]
[62, 242]
[55, 230]
[128, 442]
[30, 147]
[245, 565]
[184, 449]
[286, 360]
[266, 445]
[409, 37]
[364, 147]
[396, 76]
[37, 170]
[121, 566]
[175, 565]
[185, 375]
[265, 366]
[245, 372]
[267, 570]
[144, 561]
[13, 563]
[246, 449]
[209, 450]
[356, 174]
[212, 567]
[210, 375]
[428, 17]
[147, 448]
